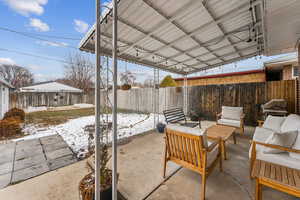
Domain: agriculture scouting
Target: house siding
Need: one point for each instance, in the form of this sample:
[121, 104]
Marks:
[4, 100]
[287, 72]
[233, 79]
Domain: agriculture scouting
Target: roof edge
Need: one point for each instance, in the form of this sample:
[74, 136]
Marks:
[222, 75]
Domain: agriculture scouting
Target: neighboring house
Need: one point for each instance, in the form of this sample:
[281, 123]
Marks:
[47, 94]
[4, 96]
[253, 76]
[282, 68]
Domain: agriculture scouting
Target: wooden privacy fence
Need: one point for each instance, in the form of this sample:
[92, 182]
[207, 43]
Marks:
[34, 99]
[141, 100]
[207, 100]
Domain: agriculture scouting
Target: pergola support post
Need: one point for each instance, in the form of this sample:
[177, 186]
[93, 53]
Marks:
[185, 95]
[97, 102]
[298, 80]
[115, 100]
[155, 97]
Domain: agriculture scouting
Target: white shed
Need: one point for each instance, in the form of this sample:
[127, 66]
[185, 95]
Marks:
[4, 96]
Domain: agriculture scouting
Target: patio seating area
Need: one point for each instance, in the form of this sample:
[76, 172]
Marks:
[145, 165]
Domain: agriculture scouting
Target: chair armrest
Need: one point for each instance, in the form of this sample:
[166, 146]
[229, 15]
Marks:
[282, 148]
[218, 116]
[213, 145]
[243, 116]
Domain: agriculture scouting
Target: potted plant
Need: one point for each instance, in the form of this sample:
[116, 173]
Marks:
[194, 116]
[127, 79]
[160, 127]
[87, 184]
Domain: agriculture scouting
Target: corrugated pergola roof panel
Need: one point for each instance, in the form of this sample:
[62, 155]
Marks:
[181, 36]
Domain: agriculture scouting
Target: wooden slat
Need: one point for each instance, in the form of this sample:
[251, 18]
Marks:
[262, 169]
[284, 175]
[278, 173]
[268, 170]
[185, 151]
[296, 175]
[273, 172]
[256, 169]
[290, 177]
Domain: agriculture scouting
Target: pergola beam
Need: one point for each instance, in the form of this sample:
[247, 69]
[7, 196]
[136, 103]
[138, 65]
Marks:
[221, 48]
[227, 54]
[227, 62]
[123, 21]
[180, 13]
[205, 6]
[143, 49]
[178, 27]
[227, 16]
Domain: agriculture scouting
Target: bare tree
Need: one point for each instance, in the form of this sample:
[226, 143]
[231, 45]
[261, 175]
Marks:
[148, 83]
[79, 72]
[16, 75]
[127, 77]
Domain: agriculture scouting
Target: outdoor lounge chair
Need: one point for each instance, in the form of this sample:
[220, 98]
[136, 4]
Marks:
[189, 148]
[176, 115]
[232, 116]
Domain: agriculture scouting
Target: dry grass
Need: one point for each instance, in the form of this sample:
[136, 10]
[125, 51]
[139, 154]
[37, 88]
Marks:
[45, 118]
[56, 117]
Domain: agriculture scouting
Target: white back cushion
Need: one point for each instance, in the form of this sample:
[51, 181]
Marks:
[291, 123]
[234, 113]
[188, 130]
[274, 123]
[296, 146]
[282, 139]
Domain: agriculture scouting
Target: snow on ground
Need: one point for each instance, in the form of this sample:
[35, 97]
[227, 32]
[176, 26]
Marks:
[83, 105]
[73, 133]
[35, 109]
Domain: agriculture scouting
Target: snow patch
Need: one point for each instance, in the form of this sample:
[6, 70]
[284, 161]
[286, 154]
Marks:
[74, 135]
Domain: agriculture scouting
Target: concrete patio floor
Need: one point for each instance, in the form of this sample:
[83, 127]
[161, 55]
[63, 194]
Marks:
[140, 170]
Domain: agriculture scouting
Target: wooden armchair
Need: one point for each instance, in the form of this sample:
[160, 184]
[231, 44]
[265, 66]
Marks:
[231, 116]
[191, 151]
[271, 173]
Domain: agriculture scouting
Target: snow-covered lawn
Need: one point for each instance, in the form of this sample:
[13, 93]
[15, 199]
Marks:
[73, 133]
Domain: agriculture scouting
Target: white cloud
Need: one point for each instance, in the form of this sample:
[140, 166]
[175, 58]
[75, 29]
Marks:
[81, 26]
[27, 7]
[53, 44]
[38, 25]
[7, 61]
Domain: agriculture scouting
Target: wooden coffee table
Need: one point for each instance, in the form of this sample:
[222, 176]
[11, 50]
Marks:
[224, 132]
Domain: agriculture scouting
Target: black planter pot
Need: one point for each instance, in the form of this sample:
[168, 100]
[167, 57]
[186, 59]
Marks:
[106, 194]
[160, 127]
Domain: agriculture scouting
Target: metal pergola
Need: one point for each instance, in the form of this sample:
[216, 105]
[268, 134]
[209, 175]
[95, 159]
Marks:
[182, 37]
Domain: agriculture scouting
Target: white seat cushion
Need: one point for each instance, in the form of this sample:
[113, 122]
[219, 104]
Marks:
[296, 146]
[188, 130]
[234, 113]
[291, 123]
[280, 159]
[230, 122]
[282, 139]
[260, 135]
[274, 123]
[212, 155]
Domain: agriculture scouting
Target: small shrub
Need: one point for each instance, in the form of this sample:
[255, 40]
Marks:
[126, 87]
[168, 81]
[15, 113]
[10, 127]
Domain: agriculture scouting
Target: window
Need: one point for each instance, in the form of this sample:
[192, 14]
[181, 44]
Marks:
[295, 71]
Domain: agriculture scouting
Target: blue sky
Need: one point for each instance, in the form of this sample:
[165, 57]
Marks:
[65, 18]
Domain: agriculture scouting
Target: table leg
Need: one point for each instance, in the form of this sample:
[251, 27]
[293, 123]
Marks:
[224, 156]
[234, 137]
